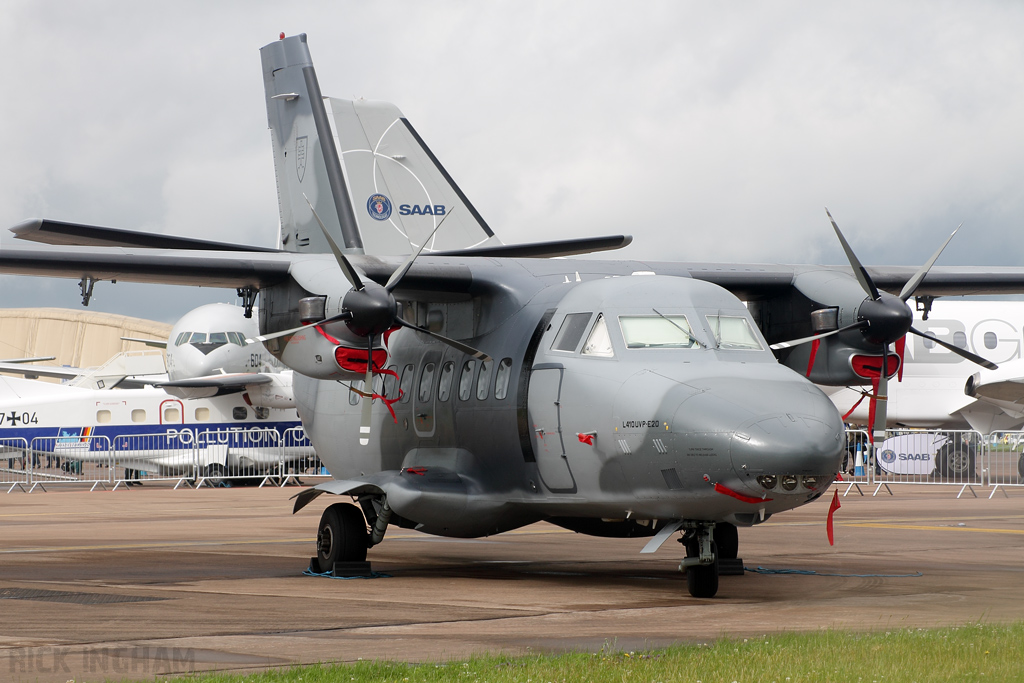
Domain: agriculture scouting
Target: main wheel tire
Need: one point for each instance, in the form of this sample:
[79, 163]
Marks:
[1020, 468]
[702, 579]
[728, 541]
[956, 461]
[341, 536]
[214, 474]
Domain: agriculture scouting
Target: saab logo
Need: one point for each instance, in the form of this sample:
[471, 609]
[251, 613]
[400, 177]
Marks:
[379, 207]
[417, 210]
[888, 455]
[300, 156]
[915, 456]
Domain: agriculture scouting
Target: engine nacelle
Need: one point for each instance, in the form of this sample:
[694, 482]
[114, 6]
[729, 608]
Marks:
[316, 352]
[839, 364]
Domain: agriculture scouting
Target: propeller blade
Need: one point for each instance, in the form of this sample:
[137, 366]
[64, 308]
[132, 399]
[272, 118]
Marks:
[350, 273]
[901, 350]
[804, 340]
[364, 423]
[882, 398]
[862, 275]
[914, 282]
[957, 350]
[397, 276]
[465, 348]
[344, 315]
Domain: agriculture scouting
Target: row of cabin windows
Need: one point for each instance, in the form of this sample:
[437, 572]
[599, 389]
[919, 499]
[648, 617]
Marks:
[236, 338]
[446, 379]
[990, 340]
[173, 415]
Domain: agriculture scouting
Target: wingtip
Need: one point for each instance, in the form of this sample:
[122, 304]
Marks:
[24, 228]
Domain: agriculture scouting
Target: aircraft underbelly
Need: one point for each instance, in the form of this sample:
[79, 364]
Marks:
[546, 429]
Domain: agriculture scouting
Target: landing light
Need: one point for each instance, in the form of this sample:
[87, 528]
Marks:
[789, 482]
[768, 481]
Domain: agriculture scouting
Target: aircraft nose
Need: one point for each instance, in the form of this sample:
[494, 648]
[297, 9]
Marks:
[775, 426]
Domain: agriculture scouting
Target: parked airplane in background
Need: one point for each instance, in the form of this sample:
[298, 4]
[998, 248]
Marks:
[610, 397]
[939, 389]
[224, 404]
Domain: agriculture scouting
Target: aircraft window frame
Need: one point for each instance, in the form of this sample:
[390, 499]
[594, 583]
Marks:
[501, 378]
[218, 338]
[483, 381]
[466, 380]
[716, 333]
[405, 382]
[139, 415]
[426, 385]
[675, 323]
[391, 382]
[599, 341]
[182, 338]
[444, 383]
[571, 331]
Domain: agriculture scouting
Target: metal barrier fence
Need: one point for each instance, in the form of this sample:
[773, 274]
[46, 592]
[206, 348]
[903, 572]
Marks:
[13, 472]
[1004, 461]
[69, 459]
[211, 458]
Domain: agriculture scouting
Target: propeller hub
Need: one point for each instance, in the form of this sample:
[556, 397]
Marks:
[373, 310]
[888, 318]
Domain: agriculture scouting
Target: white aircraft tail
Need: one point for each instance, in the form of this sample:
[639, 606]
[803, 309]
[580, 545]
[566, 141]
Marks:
[120, 366]
[383, 193]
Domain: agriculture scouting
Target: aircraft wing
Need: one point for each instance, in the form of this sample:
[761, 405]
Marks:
[77, 234]
[214, 385]
[34, 371]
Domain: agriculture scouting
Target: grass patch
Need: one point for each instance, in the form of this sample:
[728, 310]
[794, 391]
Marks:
[966, 653]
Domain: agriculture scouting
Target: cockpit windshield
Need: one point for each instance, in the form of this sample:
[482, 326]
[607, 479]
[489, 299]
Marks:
[733, 332]
[657, 332]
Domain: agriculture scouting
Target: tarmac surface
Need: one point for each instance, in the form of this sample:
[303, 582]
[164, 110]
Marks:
[133, 583]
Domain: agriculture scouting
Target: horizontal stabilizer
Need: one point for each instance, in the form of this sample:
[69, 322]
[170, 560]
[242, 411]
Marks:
[584, 245]
[76, 234]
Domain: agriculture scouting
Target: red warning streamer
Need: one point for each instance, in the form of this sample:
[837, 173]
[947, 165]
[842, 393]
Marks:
[831, 511]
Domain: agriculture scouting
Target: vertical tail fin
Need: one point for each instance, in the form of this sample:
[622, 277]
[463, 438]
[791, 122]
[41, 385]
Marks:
[306, 160]
[401, 191]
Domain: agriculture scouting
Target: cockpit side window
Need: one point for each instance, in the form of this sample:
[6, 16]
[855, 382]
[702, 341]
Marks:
[733, 332]
[571, 331]
[599, 343]
[236, 338]
[182, 338]
[657, 332]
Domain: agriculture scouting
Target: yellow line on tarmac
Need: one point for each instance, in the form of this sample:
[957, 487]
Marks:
[931, 528]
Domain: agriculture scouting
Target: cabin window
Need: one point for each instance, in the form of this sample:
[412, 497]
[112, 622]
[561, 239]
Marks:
[444, 385]
[405, 386]
[466, 380]
[990, 340]
[483, 383]
[138, 415]
[172, 415]
[198, 338]
[571, 332]
[102, 416]
[353, 397]
[928, 343]
[502, 378]
[733, 332]
[391, 383]
[202, 414]
[599, 343]
[960, 340]
[426, 383]
[240, 413]
[218, 337]
[657, 332]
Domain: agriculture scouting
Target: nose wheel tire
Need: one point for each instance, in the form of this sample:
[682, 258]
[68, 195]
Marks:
[702, 579]
[341, 536]
[215, 474]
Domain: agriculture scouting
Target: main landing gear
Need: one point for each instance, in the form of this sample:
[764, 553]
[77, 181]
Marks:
[706, 543]
[343, 538]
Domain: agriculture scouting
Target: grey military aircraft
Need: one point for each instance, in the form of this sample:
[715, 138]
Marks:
[464, 387]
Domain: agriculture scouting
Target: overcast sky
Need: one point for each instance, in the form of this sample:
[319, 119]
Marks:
[709, 131]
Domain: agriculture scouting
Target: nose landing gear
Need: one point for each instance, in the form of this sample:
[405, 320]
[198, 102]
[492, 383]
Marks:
[701, 563]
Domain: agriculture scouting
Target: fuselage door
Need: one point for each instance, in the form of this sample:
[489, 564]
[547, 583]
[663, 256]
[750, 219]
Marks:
[172, 412]
[544, 406]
